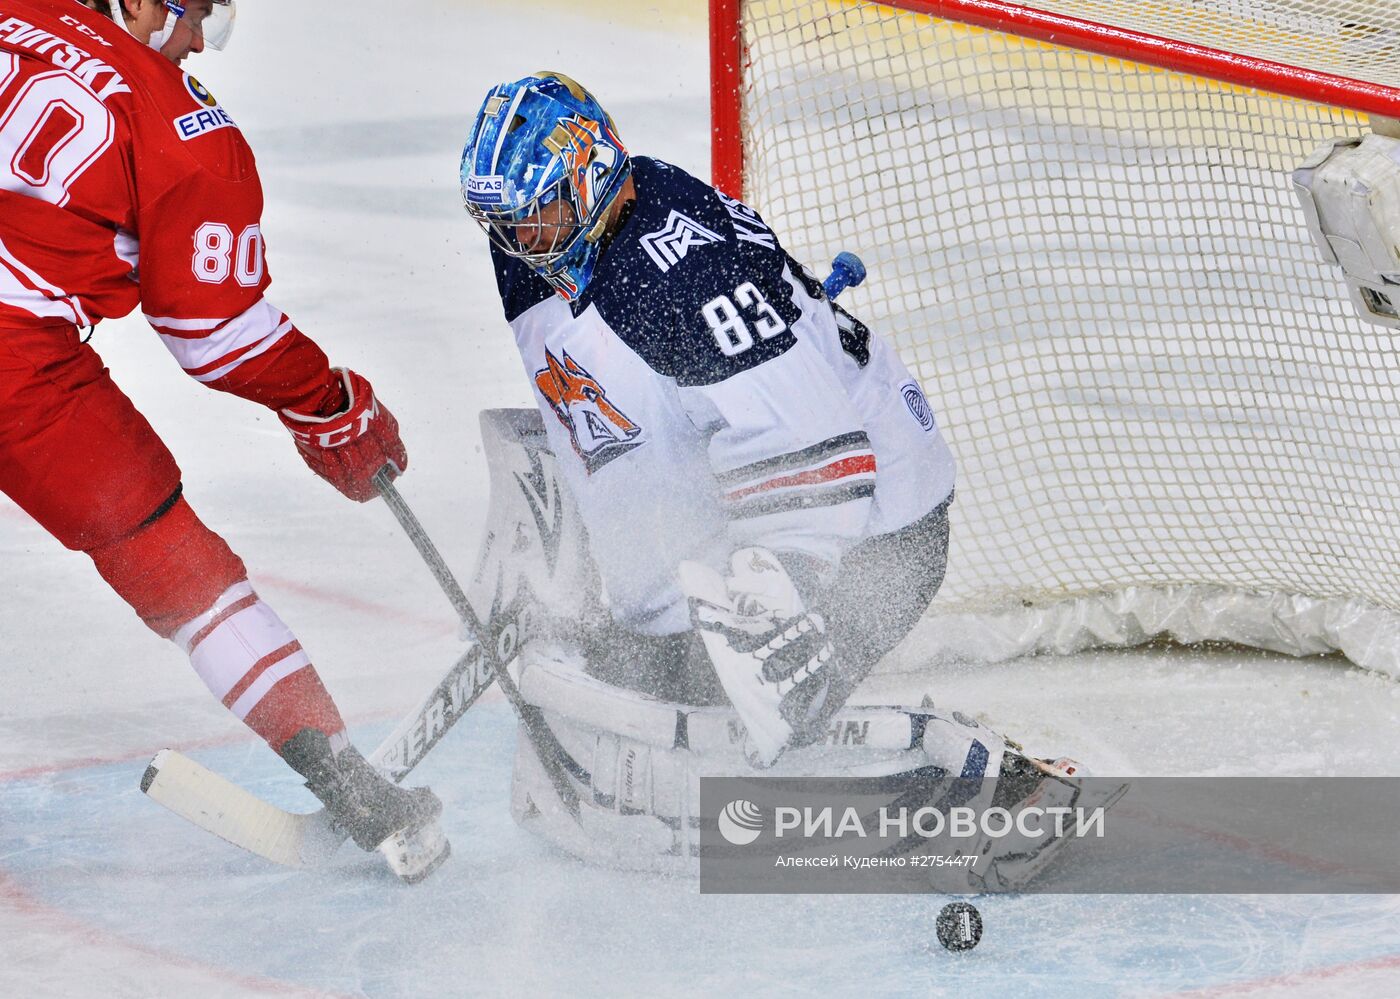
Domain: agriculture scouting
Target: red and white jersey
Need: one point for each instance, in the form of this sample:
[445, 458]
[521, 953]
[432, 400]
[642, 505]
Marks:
[124, 182]
[703, 395]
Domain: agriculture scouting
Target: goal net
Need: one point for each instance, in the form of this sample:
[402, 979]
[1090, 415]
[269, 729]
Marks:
[1168, 417]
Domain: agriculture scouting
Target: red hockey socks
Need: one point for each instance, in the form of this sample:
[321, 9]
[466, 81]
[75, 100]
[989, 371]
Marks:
[188, 586]
[170, 569]
[253, 663]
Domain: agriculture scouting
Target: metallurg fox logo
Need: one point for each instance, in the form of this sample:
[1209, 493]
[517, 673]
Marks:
[575, 141]
[600, 431]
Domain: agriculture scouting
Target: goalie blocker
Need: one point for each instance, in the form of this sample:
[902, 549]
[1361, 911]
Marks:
[635, 757]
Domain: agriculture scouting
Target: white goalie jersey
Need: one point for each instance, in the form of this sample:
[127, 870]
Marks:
[702, 395]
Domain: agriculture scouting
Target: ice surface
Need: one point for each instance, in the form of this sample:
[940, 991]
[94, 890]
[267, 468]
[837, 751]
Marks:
[357, 116]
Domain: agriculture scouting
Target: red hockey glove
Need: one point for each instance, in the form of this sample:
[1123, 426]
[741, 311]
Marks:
[348, 448]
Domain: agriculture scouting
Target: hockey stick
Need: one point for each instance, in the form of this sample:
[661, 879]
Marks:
[308, 839]
[551, 755]
[437, 565]
[294, 839]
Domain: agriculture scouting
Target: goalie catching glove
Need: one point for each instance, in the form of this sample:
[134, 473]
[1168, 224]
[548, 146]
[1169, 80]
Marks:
[771, 655]
[349, 446]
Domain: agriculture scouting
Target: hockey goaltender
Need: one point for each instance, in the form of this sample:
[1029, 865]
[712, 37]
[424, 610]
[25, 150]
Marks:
[732, 502]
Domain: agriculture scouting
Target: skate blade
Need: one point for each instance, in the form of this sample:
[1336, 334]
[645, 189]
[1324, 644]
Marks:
[413, 855]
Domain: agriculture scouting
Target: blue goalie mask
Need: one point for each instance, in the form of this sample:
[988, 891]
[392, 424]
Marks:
[541, 168]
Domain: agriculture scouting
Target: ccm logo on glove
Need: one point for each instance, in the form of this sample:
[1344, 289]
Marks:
[348, 447]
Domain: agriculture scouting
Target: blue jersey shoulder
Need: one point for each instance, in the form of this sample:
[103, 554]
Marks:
[521, 288]
[694, 281]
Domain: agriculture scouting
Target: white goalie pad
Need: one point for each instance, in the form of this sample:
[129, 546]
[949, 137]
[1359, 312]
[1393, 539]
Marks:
[1350, 194]
[534, 550]
[637, 761]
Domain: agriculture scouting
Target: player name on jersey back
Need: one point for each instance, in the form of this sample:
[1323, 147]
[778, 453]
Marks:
[18, 34]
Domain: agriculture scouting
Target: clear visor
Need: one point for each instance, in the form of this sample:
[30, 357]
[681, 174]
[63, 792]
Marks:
[540, 233]
[212, 20]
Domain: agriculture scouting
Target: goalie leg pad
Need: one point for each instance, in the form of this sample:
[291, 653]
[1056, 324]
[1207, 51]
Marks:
[535, 550]
[637, 762]
[1349, 190]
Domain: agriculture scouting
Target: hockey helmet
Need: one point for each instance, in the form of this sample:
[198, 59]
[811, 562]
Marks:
[214, 23]
[539, 141]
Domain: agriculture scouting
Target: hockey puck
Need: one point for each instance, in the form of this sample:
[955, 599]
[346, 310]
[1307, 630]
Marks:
[959, 926]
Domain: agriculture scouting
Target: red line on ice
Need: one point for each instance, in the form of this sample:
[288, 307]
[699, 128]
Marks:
[56, 920]
[146, 752]
[1280, 854]
[1291, 979]
[1290, 858]
[442, 624]
[189, 745]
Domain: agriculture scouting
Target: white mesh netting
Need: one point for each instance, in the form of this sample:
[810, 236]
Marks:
[1167, 415]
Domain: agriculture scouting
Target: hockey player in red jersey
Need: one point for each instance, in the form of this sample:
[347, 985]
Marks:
[124, 182]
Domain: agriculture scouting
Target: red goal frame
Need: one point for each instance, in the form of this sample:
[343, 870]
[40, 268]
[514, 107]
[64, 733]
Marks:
[728, 60]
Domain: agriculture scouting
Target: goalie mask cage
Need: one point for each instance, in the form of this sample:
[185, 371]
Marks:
[1082, 236]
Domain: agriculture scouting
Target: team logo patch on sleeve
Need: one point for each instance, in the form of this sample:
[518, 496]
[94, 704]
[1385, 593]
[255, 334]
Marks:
[210, 117]
[918, 405]
[599, 430]
[675, 239]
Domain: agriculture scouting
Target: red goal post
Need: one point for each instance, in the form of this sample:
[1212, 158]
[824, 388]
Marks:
[1082, 237]
[727, 62]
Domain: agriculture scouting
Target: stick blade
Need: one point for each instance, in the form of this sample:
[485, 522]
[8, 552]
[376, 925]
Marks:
[221, 807]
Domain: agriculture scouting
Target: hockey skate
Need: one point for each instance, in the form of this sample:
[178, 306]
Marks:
[401, 823]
